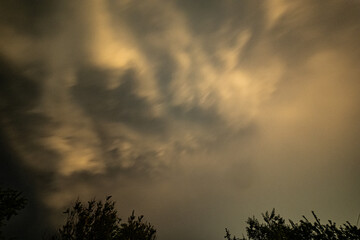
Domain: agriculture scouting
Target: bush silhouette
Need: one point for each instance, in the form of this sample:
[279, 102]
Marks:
[99, 221]
[11, 201]
[275, 228]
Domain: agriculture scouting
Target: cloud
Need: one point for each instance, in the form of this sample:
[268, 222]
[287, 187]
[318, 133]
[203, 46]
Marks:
[195, 109]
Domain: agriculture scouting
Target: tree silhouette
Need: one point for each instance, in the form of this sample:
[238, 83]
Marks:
[275, 228]
[99, 221]
[11, 201]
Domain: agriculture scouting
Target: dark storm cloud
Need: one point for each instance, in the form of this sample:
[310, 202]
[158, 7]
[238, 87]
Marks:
[19, 133]
[119, 104]
[297, 37]
[33, 219]
[20, 94]
[36, 18]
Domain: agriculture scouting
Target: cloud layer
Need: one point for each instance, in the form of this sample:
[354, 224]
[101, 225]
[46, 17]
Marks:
[196, 114]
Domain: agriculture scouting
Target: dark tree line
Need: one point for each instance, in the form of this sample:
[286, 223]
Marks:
[274, 227]
[93, 220]
[98, 220]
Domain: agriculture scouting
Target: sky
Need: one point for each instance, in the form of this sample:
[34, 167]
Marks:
[196, 114]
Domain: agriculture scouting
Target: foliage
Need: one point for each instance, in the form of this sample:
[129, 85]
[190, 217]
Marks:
[135, 229]
[275, 228]
[97, 220]
[11, 201]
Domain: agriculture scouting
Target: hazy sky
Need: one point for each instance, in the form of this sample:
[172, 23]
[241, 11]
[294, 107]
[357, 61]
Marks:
[197, 114]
